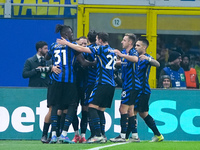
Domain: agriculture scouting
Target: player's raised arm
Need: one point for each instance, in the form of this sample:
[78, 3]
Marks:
[153, 62]
[128, 57]
[78, 48]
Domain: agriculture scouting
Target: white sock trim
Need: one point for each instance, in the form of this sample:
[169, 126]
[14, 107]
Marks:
[123, 135]
[82, 135]
[76, 132]
[135, 135]
[53, 133]
[64, 133]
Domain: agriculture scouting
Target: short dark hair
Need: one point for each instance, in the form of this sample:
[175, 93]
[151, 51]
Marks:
[92, 36]
[131, 36]
[62, 29]
[103, 36]
[40, 44]
[144, 40]
[186, 55]
[82, 37]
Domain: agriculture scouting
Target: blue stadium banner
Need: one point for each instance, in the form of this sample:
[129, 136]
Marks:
[176, 112]
[42, 11]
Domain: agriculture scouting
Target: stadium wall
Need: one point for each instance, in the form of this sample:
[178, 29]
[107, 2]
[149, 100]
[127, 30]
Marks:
[176, 112]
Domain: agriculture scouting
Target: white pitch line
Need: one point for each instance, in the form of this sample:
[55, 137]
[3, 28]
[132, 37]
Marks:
[98, 148]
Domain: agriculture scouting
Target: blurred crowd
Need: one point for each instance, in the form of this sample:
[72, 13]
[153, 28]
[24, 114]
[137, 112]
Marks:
[181, 62]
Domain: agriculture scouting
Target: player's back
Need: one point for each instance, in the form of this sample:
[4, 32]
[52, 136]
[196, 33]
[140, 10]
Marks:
[63, 56]
[106, 59]
[91, 70]
[143, 70]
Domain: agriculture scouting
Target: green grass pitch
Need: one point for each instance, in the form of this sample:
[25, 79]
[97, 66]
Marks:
[143, 145]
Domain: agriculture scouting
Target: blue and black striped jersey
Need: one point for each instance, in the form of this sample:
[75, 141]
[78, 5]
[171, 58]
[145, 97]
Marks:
[106, 59]
[91, 70]
[81, 73]
[63, 56]
[129, 77]
[143, 70]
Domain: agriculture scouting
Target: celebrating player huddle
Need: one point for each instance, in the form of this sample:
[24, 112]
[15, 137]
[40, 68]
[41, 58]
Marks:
[97, 62]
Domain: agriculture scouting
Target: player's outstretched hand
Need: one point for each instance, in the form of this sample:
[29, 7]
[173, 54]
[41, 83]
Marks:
[142, 57]
[117, 52]
[56, 69]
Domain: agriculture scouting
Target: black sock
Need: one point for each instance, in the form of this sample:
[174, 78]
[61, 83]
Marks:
[92, 131]
[84, 121]
[58, 126]
[128, 129]
[102, 121]
[62, 121]
[151, 124]
[124, 123]
[50, 134]
[45, 129]
[75, 122]
[69, 117]
[93, 114]
[54, 118]
[134, 124]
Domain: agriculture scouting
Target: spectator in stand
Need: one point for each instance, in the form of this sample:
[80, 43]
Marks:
[175, 71]
[165, 82]
[193, 53]
[190, 73]
[162, 58]
[197, 68]
[186, 46]
[178, 45]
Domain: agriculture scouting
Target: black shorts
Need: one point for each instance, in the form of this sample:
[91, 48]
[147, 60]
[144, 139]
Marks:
[142, 105]
[63, 94]
[87, 93]
[129, 96]
[102, 95]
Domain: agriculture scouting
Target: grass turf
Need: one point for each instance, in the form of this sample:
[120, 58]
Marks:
[143, 145]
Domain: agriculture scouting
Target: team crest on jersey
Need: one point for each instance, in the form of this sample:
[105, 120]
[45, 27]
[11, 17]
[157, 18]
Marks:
[135, 53]
[123, 94]
[111, 50]
[124, 63]
[96, 48]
